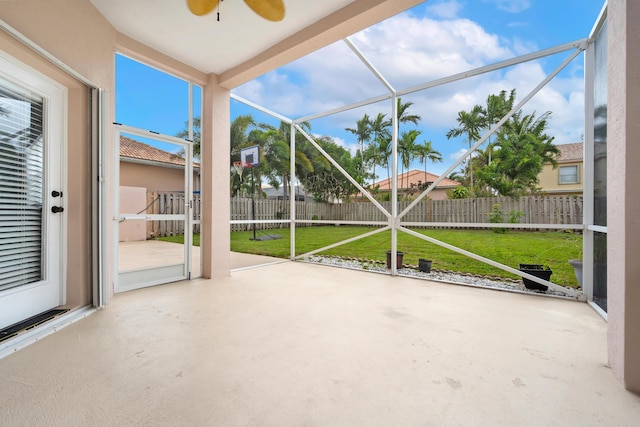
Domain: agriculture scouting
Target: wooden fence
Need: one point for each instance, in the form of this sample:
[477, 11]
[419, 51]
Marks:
[534, 209]
[170, 203]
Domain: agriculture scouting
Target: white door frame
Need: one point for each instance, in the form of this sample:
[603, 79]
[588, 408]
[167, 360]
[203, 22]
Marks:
[24, 301]
[158, 275]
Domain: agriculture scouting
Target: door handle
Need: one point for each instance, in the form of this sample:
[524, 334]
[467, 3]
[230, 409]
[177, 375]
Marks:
[57, 209]
[55, 193]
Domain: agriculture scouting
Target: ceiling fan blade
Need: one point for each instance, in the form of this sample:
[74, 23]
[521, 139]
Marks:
[273, 10]
[202, 7]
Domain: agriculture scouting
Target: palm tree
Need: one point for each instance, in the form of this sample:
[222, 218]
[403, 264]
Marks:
[470, 124]
[426, 152]
[184, 134]
[497, 107]
[384, 147]
[363, 134]
[376, 153]
[406, 149]
[404, 116]
[239, 135]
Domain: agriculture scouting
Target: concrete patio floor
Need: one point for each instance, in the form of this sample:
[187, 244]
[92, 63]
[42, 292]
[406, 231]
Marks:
[296, 344]
[157, 253]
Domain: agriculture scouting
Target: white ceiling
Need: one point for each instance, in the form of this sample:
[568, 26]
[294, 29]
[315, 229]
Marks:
[203, 42]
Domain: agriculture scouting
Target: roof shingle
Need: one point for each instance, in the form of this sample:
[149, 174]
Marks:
[137, 150]
[414, 177]
[570, 152]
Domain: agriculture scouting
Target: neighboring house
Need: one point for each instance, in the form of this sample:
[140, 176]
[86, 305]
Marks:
[278, 193]
[412, 182]
[142, 165]
[568, 177]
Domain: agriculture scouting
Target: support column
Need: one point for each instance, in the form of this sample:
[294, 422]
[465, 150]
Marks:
[215, 149]
[623, 197]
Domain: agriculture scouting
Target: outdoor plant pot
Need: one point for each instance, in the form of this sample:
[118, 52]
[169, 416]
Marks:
[577, 268]
[399, 258]
[538, 271]
[424, 265]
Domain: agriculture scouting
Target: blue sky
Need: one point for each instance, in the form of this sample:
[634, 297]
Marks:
[430, 41]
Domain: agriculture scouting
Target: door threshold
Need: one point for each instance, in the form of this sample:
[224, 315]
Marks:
[39, 330]
[30, 323]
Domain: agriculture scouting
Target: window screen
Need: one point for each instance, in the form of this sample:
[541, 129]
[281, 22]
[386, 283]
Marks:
[569, 174]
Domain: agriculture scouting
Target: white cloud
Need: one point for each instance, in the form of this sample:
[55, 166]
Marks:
[410, 50]
[458, 154]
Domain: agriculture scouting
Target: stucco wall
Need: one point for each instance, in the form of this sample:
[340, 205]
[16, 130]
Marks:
[76, 186]
[132, 200]
[155, 178]
[76, 34]
[623, 198]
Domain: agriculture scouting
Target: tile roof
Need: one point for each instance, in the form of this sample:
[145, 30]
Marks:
[137, 150]
[570, 152]
[415, 177]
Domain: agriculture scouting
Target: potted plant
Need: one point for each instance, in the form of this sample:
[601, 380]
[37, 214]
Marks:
[399, 259]
[424, 265]
[538, 270]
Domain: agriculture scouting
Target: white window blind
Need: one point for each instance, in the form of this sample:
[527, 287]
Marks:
[569, 174]
[21, 186]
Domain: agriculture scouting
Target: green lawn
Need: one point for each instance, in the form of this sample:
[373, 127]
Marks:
[553, 248]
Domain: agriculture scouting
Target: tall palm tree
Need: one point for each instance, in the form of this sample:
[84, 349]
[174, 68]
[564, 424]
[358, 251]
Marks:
[497, 107]
[470, 123]
[384, 147]
[425, 152]
[408, 144]
[407, 149]
[363, 134]
[376, 153]
[239, 135]
[404, 116]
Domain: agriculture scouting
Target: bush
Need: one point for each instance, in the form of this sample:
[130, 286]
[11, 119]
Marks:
[459, 192]
[496, 216]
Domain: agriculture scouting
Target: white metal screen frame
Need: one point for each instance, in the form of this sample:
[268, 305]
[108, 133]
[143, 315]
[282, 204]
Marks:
[394, 219]
[145, 277]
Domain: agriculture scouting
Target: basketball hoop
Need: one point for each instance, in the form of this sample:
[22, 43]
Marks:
[240, 167]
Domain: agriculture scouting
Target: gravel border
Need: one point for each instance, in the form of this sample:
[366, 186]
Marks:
[435, 275]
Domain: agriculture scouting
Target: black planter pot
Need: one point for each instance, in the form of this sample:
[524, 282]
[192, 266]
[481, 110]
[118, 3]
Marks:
[538, 271]
[424, 265]
[399, 259]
